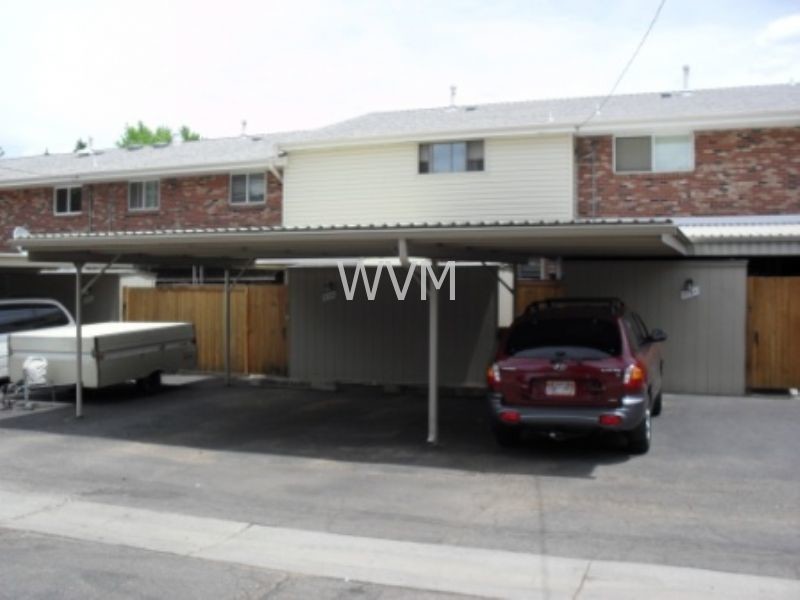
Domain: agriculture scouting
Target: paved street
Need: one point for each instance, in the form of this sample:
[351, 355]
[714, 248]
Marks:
[718, 491]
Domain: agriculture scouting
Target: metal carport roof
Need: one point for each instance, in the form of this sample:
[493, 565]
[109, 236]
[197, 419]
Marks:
[513, 241]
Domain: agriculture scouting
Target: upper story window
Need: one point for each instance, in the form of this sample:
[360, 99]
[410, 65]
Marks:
[248, 188]
[654, 153]
[143, 195]
[448, 157]
[67, 200]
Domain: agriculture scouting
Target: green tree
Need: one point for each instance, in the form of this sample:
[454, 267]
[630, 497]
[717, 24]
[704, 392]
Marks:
[187, 135]
[80, 145]
[142, 135]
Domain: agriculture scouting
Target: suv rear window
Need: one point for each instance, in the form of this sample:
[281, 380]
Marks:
[25, 317]
[578, 337]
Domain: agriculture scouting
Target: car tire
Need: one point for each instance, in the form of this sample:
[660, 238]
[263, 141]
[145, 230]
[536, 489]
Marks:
[639, 438]
[657, 405]
[507, 437]
[150, 384]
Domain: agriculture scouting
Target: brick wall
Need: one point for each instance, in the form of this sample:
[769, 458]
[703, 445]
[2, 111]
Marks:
[742, 172]
[186, 202]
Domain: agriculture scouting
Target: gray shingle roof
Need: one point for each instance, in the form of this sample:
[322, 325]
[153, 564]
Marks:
[567, 112]
[185, 156]
[733, 103]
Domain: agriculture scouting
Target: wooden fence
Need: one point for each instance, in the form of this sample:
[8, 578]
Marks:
[258, 322]
[533, 291]
[773, 332]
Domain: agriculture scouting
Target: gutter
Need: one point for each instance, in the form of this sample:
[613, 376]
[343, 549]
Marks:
[411, 233]
[270, 164]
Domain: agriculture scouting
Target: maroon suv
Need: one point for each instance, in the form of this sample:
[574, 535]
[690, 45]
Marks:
[577, 365]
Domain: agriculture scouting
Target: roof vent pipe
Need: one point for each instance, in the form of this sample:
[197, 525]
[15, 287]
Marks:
[244, 127]
[453, 90]
[685, 78]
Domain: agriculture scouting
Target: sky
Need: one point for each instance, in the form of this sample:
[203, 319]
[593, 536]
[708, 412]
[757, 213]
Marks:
[86, 68]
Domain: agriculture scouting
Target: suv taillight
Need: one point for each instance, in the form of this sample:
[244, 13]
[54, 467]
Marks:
[493, 377]
[634, 378]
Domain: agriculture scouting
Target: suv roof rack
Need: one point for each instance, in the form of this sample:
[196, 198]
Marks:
[614, 304]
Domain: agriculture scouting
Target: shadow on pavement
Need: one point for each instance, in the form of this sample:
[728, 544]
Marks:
[355, 425]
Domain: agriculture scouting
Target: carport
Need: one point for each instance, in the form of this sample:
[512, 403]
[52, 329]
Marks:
[236, 248]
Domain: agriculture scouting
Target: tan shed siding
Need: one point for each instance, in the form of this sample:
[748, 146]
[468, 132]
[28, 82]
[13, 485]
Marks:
[705, 352]
[525, 178]
[386, 340]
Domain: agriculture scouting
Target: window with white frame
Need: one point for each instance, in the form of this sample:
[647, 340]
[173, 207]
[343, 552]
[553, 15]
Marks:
[143, 195]
[67, 200]
[654, 153]
[248, 188]
[449, 157]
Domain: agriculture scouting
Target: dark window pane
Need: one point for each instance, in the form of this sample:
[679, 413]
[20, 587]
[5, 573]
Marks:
[49, 316]
[584, 336]
[61, 200]
[24, 317]
[15, 318]
[239, 189]
[75, 199]
[633, 335]
[633, 154]
[424, 158]
[150, 199]
[475, 156]
[256, 188]
[135, 196]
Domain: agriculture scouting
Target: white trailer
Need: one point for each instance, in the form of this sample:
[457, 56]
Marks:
[112, 353]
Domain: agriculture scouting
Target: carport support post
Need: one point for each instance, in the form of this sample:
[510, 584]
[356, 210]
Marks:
[433, 364]
[78, 341]
[226, 315]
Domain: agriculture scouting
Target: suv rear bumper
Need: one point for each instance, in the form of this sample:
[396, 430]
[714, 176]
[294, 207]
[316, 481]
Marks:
[631, 412]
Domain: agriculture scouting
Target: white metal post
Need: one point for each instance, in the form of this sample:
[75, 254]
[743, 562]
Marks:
[433, 364]
[226, 316]
[78, 341]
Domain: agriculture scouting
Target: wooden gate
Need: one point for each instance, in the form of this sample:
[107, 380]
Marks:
[258, 322]
[773, 332]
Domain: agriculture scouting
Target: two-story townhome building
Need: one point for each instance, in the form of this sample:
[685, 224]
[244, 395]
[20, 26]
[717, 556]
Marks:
[722, 166]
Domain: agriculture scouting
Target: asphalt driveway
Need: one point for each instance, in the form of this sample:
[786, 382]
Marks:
[719, 489]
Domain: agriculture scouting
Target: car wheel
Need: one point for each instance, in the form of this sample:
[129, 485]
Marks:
[639, 438]
[150, 384]
[656, 410]
[507, 437]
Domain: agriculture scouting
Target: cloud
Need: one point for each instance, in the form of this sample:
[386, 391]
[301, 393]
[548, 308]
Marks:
[89, 66]
[784, 29]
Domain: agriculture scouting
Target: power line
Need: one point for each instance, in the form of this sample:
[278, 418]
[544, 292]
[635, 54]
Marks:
[627, 65]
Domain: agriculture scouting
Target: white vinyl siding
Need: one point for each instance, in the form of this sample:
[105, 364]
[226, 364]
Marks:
[523, 178]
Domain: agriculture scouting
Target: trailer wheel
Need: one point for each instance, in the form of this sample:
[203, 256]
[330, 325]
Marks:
[150, 384]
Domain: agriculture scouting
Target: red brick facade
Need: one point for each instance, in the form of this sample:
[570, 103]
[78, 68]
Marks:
[742, 172]
[185, 202]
